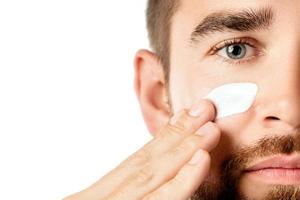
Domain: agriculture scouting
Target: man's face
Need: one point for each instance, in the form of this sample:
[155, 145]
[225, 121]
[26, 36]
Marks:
[211, 47]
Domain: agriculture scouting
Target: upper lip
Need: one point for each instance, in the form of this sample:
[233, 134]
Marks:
[278, 161]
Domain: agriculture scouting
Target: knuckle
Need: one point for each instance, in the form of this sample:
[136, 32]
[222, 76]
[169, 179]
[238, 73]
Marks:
[175, 130]
[176, 152]
[140, 158]
[187, 145]
[144, 175]
[191, 142]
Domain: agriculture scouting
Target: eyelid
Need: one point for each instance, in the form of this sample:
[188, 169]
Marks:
[258, 48]
[243, 40]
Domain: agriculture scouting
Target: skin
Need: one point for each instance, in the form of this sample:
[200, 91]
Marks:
[161, 169]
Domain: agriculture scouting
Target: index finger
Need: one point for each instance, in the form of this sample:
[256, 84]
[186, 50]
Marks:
[180, 126]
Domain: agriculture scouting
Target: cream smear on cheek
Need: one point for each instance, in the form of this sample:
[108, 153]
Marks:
[233, 98]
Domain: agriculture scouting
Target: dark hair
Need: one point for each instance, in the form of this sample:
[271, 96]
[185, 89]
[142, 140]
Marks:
[159, 14]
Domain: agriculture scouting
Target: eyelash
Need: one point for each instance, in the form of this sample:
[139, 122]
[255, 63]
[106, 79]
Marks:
[234, 41]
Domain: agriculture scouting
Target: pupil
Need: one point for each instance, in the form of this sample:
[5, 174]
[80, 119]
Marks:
[236, 51]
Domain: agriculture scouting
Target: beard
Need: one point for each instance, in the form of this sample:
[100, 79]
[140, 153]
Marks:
[234, 166]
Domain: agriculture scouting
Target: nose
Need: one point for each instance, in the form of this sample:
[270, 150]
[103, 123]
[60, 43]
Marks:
[280, 102]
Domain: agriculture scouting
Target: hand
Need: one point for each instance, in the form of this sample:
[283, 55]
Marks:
[171, 166]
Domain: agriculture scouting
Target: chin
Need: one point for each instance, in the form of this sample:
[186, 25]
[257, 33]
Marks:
[270, 184]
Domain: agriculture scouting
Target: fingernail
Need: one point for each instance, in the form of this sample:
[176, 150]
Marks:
[197, 110]
[205, 129]
[197, 158]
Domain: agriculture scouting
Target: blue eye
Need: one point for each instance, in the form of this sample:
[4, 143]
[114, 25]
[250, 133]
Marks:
[237, 50]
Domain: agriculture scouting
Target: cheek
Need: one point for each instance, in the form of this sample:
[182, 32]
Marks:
[219, 154]
[235, 133]
[188, 83]
[191, 80]
[180, 92]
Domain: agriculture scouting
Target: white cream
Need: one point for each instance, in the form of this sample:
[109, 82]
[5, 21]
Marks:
[233, 98]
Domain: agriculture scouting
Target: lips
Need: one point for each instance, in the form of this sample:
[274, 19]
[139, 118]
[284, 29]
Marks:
[281, 169]
[283, 162]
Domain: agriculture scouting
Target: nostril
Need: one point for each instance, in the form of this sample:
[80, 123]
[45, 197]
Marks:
[270, 121]
[272, 118]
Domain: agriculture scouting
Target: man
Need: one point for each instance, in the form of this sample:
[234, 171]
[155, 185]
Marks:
[199, 45]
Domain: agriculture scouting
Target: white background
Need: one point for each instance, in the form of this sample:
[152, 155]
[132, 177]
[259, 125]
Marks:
[68, 112]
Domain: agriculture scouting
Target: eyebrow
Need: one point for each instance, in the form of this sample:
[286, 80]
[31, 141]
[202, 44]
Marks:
[228, 20]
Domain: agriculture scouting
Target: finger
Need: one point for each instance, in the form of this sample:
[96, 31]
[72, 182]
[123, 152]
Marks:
[187, 181]
[188, 121]
[166, 167]
[179, 127]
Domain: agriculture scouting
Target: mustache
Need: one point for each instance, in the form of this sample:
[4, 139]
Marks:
[233, 167]
[237, 162]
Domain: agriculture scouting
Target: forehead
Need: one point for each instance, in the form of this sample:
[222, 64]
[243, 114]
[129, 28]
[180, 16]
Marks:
[191, 12]
[204, 7]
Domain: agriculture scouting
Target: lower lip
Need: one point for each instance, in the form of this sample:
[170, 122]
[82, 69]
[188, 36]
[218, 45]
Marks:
[277, 175]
